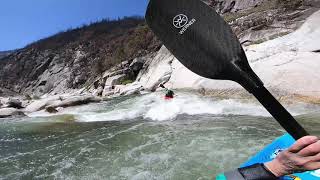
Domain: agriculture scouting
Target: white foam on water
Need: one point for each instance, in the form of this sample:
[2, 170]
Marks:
[193, 105]
[155, 107]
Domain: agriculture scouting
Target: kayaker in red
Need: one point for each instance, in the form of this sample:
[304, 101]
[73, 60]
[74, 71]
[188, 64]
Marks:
[169, 93]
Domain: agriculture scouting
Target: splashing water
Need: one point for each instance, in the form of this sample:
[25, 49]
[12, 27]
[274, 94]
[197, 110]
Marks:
[155, 107]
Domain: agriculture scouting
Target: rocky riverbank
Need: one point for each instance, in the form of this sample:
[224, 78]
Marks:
[21, 106]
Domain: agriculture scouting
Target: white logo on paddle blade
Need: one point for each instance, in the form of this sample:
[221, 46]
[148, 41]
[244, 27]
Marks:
[180, 21]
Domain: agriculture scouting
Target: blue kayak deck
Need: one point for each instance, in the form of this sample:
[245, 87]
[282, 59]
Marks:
[271, 151]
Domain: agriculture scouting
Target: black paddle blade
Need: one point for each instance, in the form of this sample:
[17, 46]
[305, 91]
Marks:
[205, 44]
[201, 40]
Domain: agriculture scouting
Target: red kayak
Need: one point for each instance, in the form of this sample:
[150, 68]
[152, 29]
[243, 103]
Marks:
[168, 98]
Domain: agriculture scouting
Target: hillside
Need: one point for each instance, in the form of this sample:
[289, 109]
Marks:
[71, 59]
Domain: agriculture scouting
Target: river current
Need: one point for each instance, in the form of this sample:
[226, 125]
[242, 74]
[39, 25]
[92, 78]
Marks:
[142, 138]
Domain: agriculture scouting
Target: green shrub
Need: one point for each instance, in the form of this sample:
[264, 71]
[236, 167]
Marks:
[126, 81]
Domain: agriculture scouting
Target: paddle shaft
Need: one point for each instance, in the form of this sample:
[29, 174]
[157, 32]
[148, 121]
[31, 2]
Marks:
[284, 118]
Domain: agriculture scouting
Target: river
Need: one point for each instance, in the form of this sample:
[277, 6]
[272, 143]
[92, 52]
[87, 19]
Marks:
[141, 137]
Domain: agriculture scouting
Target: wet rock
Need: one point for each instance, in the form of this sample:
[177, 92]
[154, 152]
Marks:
[316, 51]
[18, 114]
[51, 110]
[137, 64]
[14, 103]
[11, 112]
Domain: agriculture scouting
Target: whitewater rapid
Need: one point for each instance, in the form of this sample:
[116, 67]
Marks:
[154, 107]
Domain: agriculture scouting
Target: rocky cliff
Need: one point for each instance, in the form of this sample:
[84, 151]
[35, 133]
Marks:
[73, 59]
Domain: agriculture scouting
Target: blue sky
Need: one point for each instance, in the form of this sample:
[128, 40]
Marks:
[25, 21]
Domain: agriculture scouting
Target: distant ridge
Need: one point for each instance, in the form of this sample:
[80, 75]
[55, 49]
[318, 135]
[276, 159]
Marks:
[5, 53]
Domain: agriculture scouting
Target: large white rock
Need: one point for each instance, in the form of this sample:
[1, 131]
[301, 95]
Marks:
[296, 73]
[132, 88]
[39, 104]
[74, 101]
[159, 70]
[289, 63]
